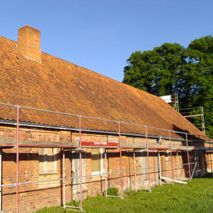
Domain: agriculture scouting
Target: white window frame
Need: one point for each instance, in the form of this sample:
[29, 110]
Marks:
[43, 168]
[101, 171]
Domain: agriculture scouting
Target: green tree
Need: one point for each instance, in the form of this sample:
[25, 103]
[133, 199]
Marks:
[171, 68]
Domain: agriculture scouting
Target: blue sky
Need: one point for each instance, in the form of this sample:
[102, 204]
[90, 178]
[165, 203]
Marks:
[101, 34]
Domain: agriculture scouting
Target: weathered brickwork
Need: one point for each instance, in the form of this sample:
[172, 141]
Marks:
[38, 190]
[29, 43]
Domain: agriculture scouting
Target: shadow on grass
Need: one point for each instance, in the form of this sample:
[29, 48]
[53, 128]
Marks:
[208, 175]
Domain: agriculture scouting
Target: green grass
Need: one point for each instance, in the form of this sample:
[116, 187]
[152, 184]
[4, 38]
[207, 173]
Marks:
[196, 197]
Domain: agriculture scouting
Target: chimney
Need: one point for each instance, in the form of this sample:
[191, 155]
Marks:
[29, 43]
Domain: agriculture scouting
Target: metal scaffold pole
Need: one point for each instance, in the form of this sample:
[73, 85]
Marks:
[17, 157]
[147, 157]
[120, 157]
[188, 156]
[175, 165]
[106, 172]
[0, 180]
[171, 155]
[159, 168]
[202, 120]
[64, 178]
[203, 161]
[135, 171]
[80, 158]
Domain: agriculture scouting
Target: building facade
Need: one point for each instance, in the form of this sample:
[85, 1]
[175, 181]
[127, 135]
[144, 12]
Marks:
[67, 132]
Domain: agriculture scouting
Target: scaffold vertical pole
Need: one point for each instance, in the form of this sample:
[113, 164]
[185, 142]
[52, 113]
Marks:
[211, 162]
[155, 169]
[135, 171]
[64, 178]
[171, 155]
[203, 161]
[106, 172]
[17, 157]
[188, 156]
[175, 172]
[120, 157]
[80, 166]
[0, 180]
[202, 120]
[159, 168]
[177, 164]
[147, 157]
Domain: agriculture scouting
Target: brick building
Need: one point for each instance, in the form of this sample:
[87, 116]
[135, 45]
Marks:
[67, 132]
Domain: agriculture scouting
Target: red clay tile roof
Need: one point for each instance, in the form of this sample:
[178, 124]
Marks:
[59, 85]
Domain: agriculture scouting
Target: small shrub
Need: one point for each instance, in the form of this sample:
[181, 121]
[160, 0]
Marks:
[112, 191]
[74, 203]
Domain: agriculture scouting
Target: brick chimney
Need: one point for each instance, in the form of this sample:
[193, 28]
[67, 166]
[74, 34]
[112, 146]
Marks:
[29, 43]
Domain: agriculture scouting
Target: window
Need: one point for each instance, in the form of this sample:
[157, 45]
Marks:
[47, 160]
[97, 167]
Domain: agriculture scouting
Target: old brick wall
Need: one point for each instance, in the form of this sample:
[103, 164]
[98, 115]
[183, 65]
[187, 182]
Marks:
[43, 190]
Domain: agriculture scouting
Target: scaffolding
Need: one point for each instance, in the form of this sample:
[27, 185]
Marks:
[154, 171]
[196, 112]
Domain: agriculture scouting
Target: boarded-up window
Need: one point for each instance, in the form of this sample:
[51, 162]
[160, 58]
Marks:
[47, 160]
[97, 161]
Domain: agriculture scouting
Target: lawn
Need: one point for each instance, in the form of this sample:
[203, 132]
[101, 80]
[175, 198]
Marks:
[196, 196]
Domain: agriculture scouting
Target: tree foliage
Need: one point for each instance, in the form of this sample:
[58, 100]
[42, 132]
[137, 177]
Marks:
[171, 68]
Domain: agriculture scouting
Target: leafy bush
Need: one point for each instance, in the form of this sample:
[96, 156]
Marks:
[112, 191]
